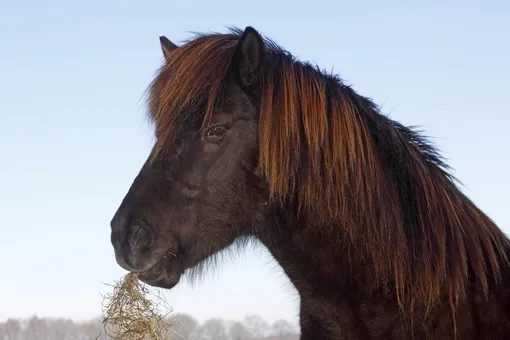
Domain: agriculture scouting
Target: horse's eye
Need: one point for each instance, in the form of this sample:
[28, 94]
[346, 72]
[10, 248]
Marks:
[216, 132]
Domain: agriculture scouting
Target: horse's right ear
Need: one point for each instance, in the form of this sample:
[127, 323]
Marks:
[249, 57]
[167, 46]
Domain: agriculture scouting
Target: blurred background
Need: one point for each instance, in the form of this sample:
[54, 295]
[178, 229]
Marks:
[73, 133]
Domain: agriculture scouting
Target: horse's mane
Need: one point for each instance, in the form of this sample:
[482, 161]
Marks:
[330, 152]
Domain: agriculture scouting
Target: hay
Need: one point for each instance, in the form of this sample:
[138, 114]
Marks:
[129, 314]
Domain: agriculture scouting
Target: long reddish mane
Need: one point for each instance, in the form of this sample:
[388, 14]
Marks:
[347, 166]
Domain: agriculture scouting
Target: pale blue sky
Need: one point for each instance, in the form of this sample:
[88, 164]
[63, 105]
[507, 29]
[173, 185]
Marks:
[73, 133]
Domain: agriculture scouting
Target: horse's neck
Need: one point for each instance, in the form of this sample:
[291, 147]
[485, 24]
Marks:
[332, 286]
[312, 257]
[339, 298]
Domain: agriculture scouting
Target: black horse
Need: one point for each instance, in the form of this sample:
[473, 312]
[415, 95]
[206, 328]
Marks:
[359, 210]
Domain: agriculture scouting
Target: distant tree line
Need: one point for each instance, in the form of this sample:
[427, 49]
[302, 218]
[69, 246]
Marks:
[252, 327]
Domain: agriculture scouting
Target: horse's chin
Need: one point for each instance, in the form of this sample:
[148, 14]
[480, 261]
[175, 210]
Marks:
[165, 274]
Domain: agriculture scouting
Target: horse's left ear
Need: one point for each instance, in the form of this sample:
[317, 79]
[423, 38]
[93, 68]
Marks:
[166, 46]
[249, 57]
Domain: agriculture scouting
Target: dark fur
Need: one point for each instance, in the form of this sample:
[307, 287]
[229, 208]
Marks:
[360, 211]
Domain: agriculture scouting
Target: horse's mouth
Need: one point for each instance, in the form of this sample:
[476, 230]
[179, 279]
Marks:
[165, 274]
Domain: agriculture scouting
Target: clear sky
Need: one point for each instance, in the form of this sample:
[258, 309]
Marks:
[73, 133]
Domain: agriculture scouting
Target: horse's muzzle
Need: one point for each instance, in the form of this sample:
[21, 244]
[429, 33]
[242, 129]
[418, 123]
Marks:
[133, 242]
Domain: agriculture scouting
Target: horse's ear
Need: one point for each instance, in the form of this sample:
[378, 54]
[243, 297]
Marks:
[167, 46]
[249, 57]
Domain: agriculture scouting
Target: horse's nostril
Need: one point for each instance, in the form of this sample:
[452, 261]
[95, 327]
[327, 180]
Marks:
[141, 237]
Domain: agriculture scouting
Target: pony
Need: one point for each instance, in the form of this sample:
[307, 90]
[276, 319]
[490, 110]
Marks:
[360, 211]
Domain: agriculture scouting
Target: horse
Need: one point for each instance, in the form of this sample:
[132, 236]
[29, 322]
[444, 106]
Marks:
[361, 212]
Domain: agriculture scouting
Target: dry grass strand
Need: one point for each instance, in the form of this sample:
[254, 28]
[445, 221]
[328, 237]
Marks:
[129, 314]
